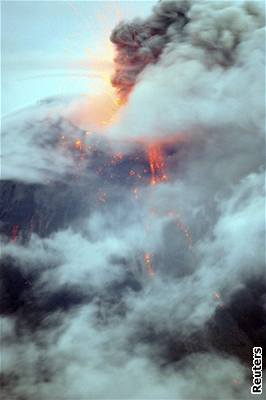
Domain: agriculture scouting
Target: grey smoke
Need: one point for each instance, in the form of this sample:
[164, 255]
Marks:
[216, 27]
[140, 43]
[81, 317]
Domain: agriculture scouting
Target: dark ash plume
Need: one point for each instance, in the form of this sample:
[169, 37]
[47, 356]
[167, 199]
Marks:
[216, 27]
[139, 43]
[82, 314]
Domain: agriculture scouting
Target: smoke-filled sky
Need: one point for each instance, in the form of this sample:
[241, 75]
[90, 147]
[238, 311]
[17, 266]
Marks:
[132, 216]
[46, 45]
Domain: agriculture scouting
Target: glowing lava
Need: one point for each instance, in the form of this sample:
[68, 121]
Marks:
[78, 144]
[149, 265]
[157, 164]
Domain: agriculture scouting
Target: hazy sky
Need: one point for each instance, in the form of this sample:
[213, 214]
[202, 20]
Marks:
[47, 46]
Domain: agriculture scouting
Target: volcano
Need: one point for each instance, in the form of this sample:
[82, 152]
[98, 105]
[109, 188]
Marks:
[132, 223]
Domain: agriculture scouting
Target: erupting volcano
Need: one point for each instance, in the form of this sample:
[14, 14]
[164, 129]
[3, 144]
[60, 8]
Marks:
[132, 217]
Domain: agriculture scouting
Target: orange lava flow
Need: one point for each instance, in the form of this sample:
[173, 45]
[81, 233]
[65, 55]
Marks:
[157, 164]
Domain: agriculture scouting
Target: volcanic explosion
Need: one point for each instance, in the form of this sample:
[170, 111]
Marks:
[133, 252]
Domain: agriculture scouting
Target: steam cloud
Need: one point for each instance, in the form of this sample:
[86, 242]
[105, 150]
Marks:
[81, 318]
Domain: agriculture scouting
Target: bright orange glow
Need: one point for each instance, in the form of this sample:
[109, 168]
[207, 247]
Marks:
[149, 265]
[157, 164]
[78, 144]
[100, 104]
[96, 110]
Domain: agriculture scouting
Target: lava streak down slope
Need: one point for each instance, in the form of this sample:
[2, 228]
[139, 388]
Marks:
[134, 258]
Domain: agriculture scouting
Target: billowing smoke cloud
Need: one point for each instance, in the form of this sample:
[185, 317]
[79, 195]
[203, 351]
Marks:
[215, 30]
[203, 76]
[140, 43]
[116, 288]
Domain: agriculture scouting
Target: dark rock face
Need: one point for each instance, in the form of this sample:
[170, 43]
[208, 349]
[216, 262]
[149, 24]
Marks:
[37, 208]
[42, 208]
